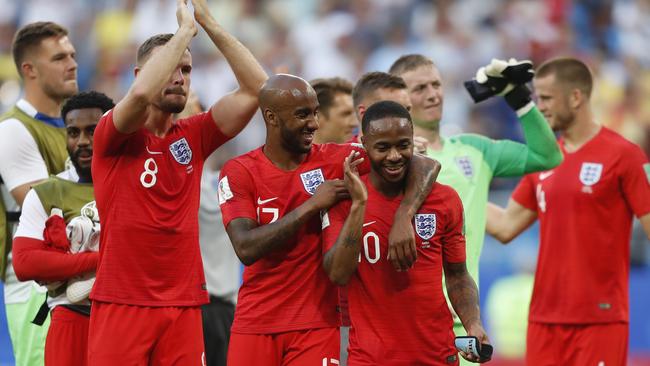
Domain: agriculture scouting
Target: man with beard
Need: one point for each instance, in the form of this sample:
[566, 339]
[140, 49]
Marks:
[69, 196]
[585, 208]
[32, 146]
[147, 173]
[471, 161]
[271, 198]
[398, 318]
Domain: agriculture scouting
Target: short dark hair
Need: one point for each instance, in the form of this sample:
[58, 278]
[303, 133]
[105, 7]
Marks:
[145, 48]
[410, 62]
[87, 99]
[327, 89]
[30, 36]
[373, 81]
[568, 71]
[384, 109]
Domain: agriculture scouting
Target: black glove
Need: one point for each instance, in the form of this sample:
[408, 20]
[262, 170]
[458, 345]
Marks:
[502, 78]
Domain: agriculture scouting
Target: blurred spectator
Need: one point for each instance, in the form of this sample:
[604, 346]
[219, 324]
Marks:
[507, 307]
[220, 264]
[347, 38]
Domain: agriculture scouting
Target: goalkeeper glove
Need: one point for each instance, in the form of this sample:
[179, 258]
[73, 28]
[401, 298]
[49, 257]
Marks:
[503, 78]
[83, 234]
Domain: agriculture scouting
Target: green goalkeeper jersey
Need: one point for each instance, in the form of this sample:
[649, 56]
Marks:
[469, 162]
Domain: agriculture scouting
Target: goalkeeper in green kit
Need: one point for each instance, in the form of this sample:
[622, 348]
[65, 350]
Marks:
[469, 161]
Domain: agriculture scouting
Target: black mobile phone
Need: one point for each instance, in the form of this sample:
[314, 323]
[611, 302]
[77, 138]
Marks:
[471, 345]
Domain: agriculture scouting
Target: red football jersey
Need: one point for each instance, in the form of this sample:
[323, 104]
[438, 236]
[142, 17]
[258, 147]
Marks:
[356, 139]
[402, 317]
[288, 289]
[585, 209]
[147, 191]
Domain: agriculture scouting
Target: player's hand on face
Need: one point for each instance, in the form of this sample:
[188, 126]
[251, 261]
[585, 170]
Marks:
[353, 183]
[402, 252]
[184, 16]
[477, 331]
[328, 193]
[420, 144]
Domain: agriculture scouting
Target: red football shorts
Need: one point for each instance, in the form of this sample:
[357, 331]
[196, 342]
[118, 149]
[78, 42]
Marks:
[67, 338]
[140, 335]
[576, 345]
[318, 347]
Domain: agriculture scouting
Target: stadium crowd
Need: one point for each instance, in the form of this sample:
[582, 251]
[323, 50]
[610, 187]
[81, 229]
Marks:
[347, 38]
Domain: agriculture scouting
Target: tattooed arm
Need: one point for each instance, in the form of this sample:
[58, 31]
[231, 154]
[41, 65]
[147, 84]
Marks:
[463, 295]
[341, 260]
[252, 242]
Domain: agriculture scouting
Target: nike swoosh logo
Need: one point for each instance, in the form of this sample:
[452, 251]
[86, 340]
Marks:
[369, 223]
[260, 201]
[153, 152]
[545, 175]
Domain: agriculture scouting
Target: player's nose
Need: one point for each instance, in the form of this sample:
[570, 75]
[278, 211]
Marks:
[394, 155]
[178, 78]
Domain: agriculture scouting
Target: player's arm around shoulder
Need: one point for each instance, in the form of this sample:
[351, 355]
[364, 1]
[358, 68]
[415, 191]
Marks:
[340, 260]
[423, 172]
[130, 113]
[235, 110]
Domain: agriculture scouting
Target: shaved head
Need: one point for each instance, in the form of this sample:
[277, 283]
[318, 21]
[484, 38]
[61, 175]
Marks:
[283, 90]
[290, 109]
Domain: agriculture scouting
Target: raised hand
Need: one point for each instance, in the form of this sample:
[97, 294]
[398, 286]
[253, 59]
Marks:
[184, 17]
[505, 78]
[353, 183]
[328, 193]
[201, 10]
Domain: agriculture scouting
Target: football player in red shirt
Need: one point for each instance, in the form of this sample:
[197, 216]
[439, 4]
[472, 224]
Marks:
[398, 318]
[373, 87]
[147, 174]
[270, 199]
[579, 309]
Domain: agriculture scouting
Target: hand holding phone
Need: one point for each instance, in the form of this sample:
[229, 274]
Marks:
[471, 346]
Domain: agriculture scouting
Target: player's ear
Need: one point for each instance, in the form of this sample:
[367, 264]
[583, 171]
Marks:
[576, 98]
[27, 69]
[361, 110]
[136, 71]
[270, 117]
